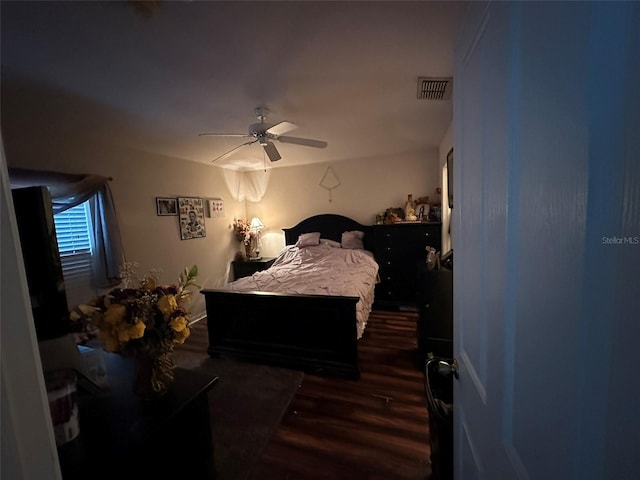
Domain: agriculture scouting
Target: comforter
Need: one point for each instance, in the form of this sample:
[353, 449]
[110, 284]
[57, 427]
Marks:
[319, 270]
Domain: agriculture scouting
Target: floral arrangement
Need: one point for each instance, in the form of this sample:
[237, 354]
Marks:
[143, 322]
[242, 231]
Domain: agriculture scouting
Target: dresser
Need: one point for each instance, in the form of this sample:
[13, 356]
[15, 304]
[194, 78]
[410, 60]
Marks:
[434, 330]
[399, 249]
[123, 436]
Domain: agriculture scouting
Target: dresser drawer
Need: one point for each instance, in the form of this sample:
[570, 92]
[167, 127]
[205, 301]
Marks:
[399, 248]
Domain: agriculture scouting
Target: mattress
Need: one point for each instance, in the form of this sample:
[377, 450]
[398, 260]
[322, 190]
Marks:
[319, 270]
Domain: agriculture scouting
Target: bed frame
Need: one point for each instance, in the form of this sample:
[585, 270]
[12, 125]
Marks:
[313, 333]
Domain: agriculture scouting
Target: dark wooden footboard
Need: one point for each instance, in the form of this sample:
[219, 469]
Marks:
[313, 333]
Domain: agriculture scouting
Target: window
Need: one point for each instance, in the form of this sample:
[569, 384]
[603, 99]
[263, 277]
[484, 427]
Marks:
[73, 231]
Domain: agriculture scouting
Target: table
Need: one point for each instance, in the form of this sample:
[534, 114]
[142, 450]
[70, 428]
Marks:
[245, 268]
[123, 436]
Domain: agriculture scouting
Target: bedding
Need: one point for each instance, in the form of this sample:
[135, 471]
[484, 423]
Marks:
[352, 239]
[319, 269]
[331, 243]
[308, 239]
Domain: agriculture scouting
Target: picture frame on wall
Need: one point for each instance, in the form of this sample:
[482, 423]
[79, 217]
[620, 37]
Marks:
[191, 212]
[166, 206]
[215, 207]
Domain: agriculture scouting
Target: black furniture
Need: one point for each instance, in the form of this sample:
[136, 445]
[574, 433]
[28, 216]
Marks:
[123, 436]
[435, 306]
[39, 244]
[246, 268]
[313, 333]
[399, 248]
[438, 385]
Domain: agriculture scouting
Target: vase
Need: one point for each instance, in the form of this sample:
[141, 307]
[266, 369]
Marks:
[153, 375]
[247, 250]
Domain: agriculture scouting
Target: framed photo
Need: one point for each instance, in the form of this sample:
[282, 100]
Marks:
[215, 207]
[166, 206]
[191, 211]
[422, 212]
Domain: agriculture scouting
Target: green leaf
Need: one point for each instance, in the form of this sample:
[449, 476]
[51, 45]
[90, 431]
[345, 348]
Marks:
[193, 273]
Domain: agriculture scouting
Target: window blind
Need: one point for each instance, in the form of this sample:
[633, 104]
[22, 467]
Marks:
[73, 232]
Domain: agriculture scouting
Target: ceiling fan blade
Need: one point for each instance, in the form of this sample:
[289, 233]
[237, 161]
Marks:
[226, 154]
[272, 152]
[303, 141]
[281, 127]
[223, 135]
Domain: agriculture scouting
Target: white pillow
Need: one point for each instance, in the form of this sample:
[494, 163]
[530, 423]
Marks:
[353, 239]
[308, 239]
[331, 243]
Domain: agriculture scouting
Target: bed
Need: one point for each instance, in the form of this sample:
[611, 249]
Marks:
[282, 323]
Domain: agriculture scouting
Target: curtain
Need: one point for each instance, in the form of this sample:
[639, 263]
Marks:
[67, 191]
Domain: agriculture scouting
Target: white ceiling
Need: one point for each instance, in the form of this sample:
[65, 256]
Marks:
[343, 72]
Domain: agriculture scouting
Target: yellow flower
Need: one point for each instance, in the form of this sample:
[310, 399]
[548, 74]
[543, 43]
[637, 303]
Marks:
[123, 334]
[182, 335]
[167, 304]
[178, 324]
[115, 314]
[87, 309]
[137, 330]
[148, 284]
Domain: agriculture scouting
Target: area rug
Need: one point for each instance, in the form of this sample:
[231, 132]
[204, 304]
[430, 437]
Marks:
[246, 404]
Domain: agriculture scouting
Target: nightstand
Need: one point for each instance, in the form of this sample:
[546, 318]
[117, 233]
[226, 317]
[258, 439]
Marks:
[245, 268]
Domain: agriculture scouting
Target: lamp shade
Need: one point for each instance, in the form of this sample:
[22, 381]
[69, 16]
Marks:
[256, 225]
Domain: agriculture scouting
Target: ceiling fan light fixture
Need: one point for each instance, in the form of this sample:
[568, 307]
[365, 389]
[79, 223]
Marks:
[264, 134]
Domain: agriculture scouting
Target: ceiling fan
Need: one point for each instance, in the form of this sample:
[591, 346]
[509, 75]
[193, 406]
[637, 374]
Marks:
[264, 134]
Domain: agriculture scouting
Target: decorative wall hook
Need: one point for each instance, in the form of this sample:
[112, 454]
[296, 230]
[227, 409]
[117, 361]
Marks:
[330, 181]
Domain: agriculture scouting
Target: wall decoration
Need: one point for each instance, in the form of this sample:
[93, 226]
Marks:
[330, 181]
[215, 207]
[191, 212]
[166, 206]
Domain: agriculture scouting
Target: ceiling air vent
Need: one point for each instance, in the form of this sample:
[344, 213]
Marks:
[430, 88]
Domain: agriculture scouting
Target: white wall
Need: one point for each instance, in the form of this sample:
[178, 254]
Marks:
[367, 187]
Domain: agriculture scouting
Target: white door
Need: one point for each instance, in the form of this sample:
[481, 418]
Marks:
[546, 235]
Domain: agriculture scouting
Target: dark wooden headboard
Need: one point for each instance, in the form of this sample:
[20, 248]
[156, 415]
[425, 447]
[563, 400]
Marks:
[330, 226]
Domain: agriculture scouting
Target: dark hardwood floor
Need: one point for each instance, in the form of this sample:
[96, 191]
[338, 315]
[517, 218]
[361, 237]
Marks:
[373, 428]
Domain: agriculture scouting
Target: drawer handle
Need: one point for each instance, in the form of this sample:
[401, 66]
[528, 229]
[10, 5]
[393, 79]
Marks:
[388, 249]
